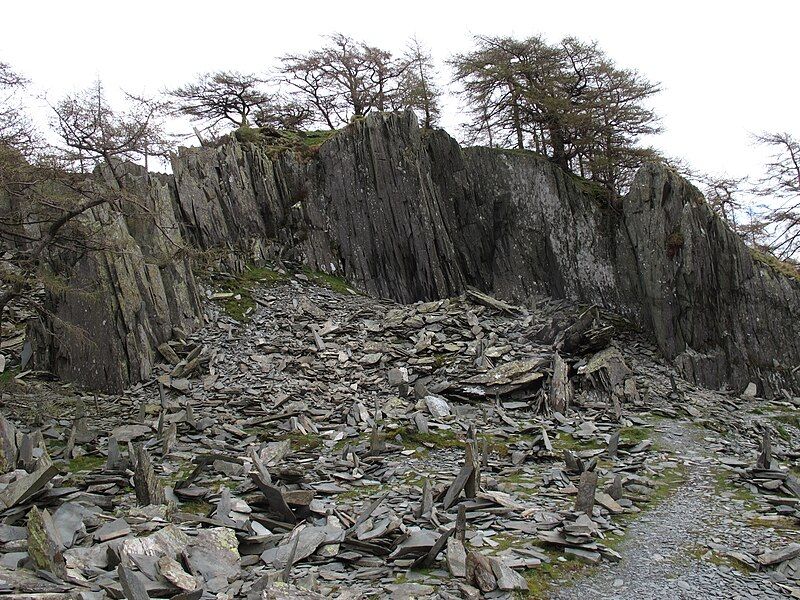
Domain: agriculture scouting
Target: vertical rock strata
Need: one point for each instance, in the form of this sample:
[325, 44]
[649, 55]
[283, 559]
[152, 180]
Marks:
[407, 214]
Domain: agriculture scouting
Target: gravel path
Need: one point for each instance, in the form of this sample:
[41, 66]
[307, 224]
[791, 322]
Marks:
[660, 550]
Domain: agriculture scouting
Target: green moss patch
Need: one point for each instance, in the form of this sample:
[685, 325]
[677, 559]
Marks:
[242, 304]
[87, 462]
[332, 282]
[543, 579]
[781, 266]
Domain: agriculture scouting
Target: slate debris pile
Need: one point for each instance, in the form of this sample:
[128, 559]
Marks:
[338, 446]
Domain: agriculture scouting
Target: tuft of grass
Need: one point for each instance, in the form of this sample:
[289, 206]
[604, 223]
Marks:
[666, 483]
[546, 576]
[304, 144]
[634, 435]
[197, 507]
[303, 441]
[443, 438]
[723, 484]
[699, 552]
[246, 134]
[242, 285]
[7, 381]
[332, 282]
[565, 441]
[87, 462]
[780, 266]
[239, 308]
[360, 492]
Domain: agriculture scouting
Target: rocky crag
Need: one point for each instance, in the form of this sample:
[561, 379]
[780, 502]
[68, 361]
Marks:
[407, 214]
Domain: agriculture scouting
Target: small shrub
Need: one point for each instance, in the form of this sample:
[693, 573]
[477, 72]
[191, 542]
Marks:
[247, 134]
[674, 243]
[781, 266]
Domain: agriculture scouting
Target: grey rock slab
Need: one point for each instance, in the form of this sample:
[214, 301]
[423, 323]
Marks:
[778, 556]
[26, 486]
[167, 541]
[173, 572]
[507, 578]
[127, 433]
[308, 539]
[456, 557]
[44, 544]
[214, 553]
[132, 584]
[114, 529]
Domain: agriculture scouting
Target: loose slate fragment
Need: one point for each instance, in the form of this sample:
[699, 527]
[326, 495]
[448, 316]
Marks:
[561, 390]
[148, 487]
[302, 543]
[169, 541]
[472, 487]
[26, 486]
[437, 406]
[480, 572]
[765, 457]
[44, 544]
[609, 503]
[128, 433]
[779, 556]
[458, 484]
[114, 458]
[488, 301]
[284, 591]
[456, 557]
[8, 445]
[615, 489]
[68, 520]
[275, 452]
[112, 530]
[132, 585]
[613, 444]
[507, 578]
[510, 376]
[214, 553]
[277, 504]
[26, 459]
[428, 559]
[418, 541]
[586, 491]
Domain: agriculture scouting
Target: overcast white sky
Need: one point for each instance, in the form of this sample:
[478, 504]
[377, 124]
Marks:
[727, 68]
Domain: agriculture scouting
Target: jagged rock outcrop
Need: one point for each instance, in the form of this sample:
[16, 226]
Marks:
[722, 315]
[103, 326]
[407, 214]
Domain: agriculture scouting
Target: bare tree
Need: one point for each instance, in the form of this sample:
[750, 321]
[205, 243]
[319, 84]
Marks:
[222, 96]
[92, 132]
[781, 182]
[45, 201]
[288, 115]
[417, 89]
[346, 78]
[16, 129]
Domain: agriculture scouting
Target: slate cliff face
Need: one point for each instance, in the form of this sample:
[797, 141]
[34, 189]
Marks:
[409, 215]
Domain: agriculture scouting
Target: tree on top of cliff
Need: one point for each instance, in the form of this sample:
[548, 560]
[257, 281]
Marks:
[348, 78]
[93, 132]
[16, 129]
[223, 96]
[417, 89]
[781, 181]
[568, 101]
[44, 200]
